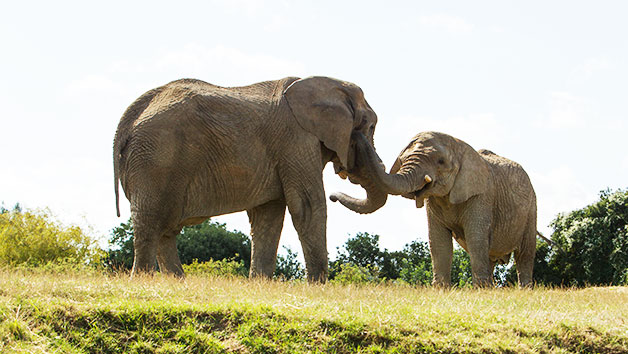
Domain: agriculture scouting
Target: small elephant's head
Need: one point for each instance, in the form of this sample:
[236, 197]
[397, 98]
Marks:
[432, 165]
[332, 110]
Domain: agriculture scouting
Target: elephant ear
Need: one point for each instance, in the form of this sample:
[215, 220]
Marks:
[472, 178]
[323, 107]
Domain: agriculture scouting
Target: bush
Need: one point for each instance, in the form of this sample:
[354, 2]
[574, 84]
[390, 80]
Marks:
[594, 243]
[288, 266]
[416, 265]
[34, 238]
[354, 274]
[361, 251]
[461, 274]
[203, 242]
[219, 268]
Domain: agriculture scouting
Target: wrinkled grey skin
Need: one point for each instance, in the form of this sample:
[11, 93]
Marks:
[190, 150]
[484, 201]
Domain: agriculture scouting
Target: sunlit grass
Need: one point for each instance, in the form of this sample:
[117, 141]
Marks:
[201, 314]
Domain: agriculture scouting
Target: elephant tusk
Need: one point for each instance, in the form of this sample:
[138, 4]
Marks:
[428, 179]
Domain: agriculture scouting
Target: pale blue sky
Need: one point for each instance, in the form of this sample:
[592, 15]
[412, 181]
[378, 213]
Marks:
[544, 83]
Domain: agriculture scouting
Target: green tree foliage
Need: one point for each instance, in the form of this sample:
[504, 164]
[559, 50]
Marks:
[461, 268]
[212, 240]
[594, 244]
[361, 251]
[362, 260]
[416, 265]
[120, 254]
[35, 238]
[351, 273]
[219, 268]
[202, 242]
[288, 266]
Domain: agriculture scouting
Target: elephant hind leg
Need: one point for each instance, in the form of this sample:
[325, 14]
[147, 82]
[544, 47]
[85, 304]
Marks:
[266, 225]
[524, 259]
[145, 244]
[167, 254]
[149, 243]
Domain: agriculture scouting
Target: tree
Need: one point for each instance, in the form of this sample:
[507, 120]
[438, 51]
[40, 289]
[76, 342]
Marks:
[202, 242]
[120, 253]
[362, 251]
[288, 266]
[416, 265]
[35, 238]
[212, 240]
[461, 274]
[594, 243]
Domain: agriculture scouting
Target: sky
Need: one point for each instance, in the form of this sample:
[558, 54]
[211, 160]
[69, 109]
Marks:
[544, 83]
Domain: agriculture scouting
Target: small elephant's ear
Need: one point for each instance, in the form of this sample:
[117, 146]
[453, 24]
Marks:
[322, 106]
[472, 178]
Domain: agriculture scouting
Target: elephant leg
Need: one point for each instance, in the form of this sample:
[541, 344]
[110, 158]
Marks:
[481, 267]
[524, 258]
[266, 224]
[309, 217]
[145, 237]
[167, 254]
[441, 250]
[478, 247]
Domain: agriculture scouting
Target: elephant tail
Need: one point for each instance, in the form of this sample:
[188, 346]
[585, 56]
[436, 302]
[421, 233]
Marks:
[123, 134]
[549, 242]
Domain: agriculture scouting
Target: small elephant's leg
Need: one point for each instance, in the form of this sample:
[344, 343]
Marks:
[266, 224]
[441, 249]
[167, 254]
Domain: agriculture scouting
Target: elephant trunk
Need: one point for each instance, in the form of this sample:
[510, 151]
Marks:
[375, 199]
[404, 181]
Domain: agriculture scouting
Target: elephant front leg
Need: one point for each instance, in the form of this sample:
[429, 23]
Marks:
[309, 216]
[441, 250]
[266, 224]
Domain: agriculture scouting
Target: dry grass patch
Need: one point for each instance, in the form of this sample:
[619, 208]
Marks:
[80, 312]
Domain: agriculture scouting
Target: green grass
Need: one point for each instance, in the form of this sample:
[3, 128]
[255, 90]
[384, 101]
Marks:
[52, 312]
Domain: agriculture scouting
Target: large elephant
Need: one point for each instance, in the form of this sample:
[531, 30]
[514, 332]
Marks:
[485, 201]
[190, 150]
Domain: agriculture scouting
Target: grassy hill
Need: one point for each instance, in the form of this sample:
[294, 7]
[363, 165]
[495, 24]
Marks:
[79, 312]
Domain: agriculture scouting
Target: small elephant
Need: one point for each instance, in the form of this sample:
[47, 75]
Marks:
[189, 150]
[485, 201]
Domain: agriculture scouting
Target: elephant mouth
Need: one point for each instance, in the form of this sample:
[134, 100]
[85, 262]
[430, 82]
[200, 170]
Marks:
[419, 193]
[344, 174]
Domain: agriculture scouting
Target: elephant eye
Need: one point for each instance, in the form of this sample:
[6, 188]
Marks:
[441, 161]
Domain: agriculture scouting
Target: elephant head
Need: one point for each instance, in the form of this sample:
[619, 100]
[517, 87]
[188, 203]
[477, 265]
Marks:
[336, 112]
[432, 165]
